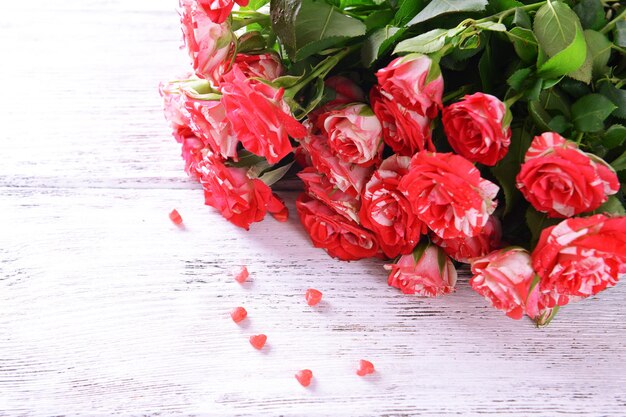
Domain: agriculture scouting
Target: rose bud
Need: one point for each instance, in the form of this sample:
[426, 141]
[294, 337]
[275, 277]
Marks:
[354, 134]
[340, 237]
[259, 116]
[404, 130]
[581, 256]
[317, 185]
[387, 212]
[209, 44]
[448, 194]
[415, 82]
[464, 249]
[219, 10]
[504, 277]
[427, 272]
[476, 129]
[560, 180]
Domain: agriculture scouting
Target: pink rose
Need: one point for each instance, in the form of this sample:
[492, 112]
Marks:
[209, 44]
[504, 277]
[354, 134]
[581, 256]
[448, 194]
[340, 237]
[267, 66]
[415, 82]
[404, 130]
[259, 116]
[219, 10]
[427, 272]
[173, 107]
[464, 249]
[349, 178]
[317, 185]
[208, 119]
[560, 180]
[387, 212]
[476, 130]
[240, 199]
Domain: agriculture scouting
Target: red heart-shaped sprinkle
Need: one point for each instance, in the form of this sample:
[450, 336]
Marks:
[238, 314]
[313, 296]
[365, 367]
[258, 341]
[242, 275]
[304, 377]
[175, 217]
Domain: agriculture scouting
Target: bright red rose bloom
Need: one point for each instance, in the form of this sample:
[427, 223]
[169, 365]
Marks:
[340, 237]
[218, 10]
[415, 82]
[209, 44]
[387, 212]
[464, 249]
[259, 116]
[317, 185]
[475, 128]
[504, 277]
[581, 256]
[560, 180]
[404, 130]
[241, 200]
[427, 272]
[448, 194]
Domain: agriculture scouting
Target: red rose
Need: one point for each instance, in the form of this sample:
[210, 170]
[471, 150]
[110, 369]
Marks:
[448, 194]
[317, 185]
[354, 134]
[240, 199]
[427, 272]
[259, 116]
[581, 256]
[475, 128]
[218, 10]
[504, 277]
[387, 212]
[464, 249]
[404, 130]
[209, 44]
[560, 180]
[349, 178]
[414, 81]
[267, 66]
[340, 237]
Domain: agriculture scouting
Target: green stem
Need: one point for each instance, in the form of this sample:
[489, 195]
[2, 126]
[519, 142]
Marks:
[579, 137]
[612, 23]
[617, 48]
[239, 23]
[511, 100]
[500, 16]
[456, 93]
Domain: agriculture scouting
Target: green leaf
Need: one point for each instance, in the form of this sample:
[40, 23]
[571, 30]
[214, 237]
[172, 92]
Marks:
[438, 7]
[591, 14]
[306, 27]
[522, 19]
[539, 115]
[517, 79]
[378, 19]
[378, 42]
[553, 99]
[590, 111]
[425, 43]
[486, 70]
[612, 206]
[617, 97]
[492, 26]
[407, 10]
[619, 163]
[271, 177]
[559, 124]
[496, 6]
[524, 43]
[599, 47]
[536, 222]
[255, 4]
[250, 42]
[619, 33]
[561, 38]
[614, 136]
[507, 169]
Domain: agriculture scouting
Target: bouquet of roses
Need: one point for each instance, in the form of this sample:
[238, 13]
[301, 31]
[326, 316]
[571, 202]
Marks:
[485, 132]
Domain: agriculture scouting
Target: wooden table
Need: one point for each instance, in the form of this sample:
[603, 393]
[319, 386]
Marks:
[106, 308]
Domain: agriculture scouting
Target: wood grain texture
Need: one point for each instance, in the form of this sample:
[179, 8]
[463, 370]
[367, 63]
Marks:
[106, 308]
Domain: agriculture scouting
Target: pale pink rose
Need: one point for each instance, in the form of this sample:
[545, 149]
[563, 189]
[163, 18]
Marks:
[476, 129]
[415, 82]
[504, 277]
[427, 272]
[209, 44]
[464, 249]
[354, 134]
[347, 177]
[317, 185]
[173, 106]
[208, 119]
[219, 10]
[560, 180]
